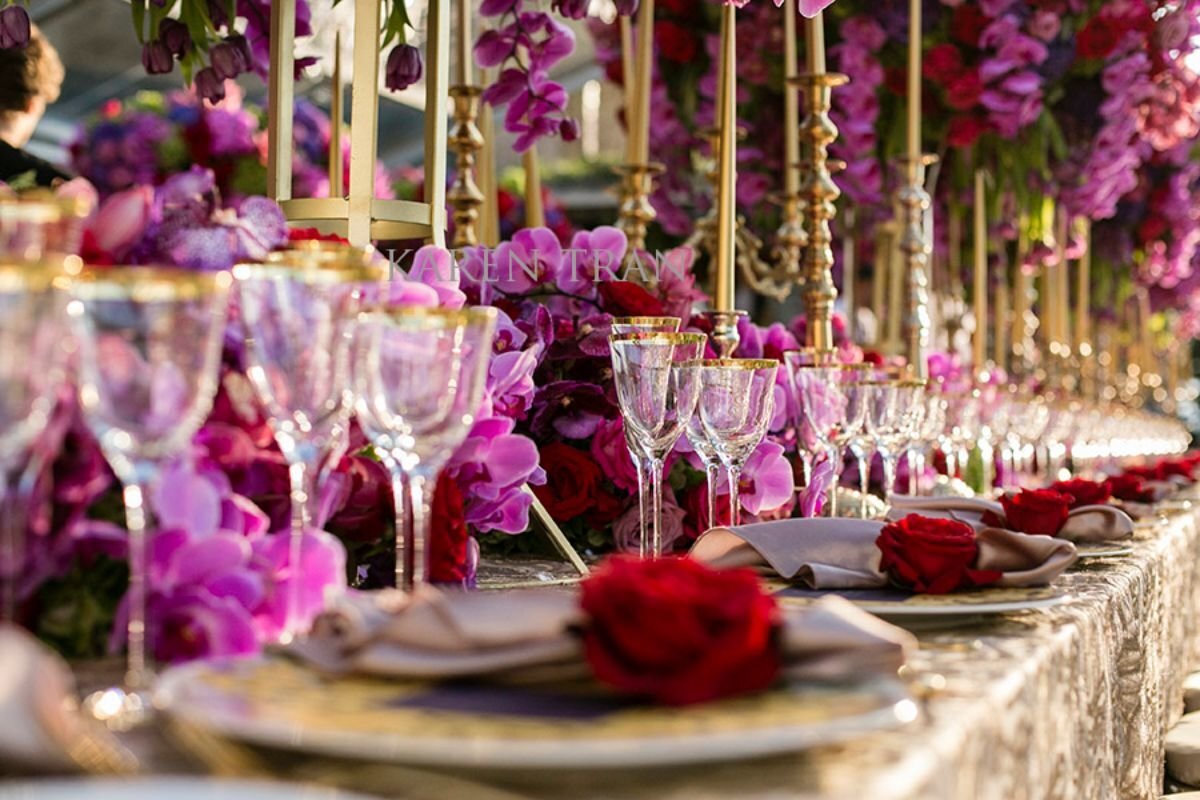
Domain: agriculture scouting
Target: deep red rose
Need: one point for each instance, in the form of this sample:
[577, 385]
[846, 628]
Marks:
[967, 24]
[675, 42]
[1172, 467]
[605, 508]
[963, 93]
[681, 8]
[1084, 492]
[1037, 511]
[942, 64]
[965, 129]
[1130, 488]
[1097, 38]
[312, 234]
[627, 299]
[679, 632]
[572, 481]
[363, 509]
[1152, 228]
[449, 538]
[895, 80]
[1147, 473]
[931, 556]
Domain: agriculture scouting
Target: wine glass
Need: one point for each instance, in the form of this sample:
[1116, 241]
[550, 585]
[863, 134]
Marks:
[622, 325]
[296, 312]
[833, 403]
[149, 353]
[807, 441]
[419, 376]
[889, 419]
[656, 386]
[32, 355]
[707, 451]
[736, 400]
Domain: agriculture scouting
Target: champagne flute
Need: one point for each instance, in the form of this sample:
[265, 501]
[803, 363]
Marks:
[736, 400]
[149, 353]
[656, 390]
[296, 313]
[419, 376]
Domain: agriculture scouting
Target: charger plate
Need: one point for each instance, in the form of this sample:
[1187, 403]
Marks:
[126, 788]
[275, 703]
[894, 604]
[1099, 551]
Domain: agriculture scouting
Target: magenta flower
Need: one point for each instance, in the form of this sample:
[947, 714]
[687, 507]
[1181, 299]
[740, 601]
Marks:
[321, 573]
[403, 67]
[612, 455]
[767, 481]
[122, 220]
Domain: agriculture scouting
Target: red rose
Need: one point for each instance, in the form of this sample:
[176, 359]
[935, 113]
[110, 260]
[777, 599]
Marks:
[572, 480]
[1037, 511]
[931, 556]
[675, 42]
[680, 8]
[967, 24]
[449, 541]
[678, 632]
[1152, 228]
[1146, 473]
[962, 93]
[1084, 492]
[942, 64]
[964, 130]
[1130, 488]
[314, 235]
[1097, 38]
[1170, 467]
[363, 510]
[604, 509]
[627, 299]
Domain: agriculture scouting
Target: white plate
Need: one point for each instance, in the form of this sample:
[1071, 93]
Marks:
[276, 704]
[166, 789]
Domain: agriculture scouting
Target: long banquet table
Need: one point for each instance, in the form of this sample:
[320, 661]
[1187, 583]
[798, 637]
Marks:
[1070, 702]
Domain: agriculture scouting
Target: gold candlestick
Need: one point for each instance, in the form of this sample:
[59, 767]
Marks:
[724, 336]
[636, 212]
[819, 193]
[466, 141]
[914, 205]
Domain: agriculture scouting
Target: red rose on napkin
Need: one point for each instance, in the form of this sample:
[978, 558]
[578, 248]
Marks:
[677, 631]
[931, 556]
[572, 479]
[1084, 492]
[1171, 467]
[1131, 489]
[1037, 511]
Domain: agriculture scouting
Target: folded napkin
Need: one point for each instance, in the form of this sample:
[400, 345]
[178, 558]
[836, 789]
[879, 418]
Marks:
[842, 554]
[1100, 523]
[454, 634]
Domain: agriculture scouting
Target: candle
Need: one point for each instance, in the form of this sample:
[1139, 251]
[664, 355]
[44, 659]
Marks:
[645, 68]
[535, 217]
[914, 80]
[999, 351]
[630, 84]
[981, 276]
[1062, 293]
[791, 103]
[336, 116]
[723, 292]
[849, 268]
[464, 42]
[1083, 308]
[814, 46]
[879, 276]
[485, 170]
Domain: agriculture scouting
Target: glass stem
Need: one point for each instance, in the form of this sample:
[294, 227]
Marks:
[303, 496]
[735, 503]
[865, 456]
[712, 473]
[911, 455]
[656, 542]
[921, 462]
[835, 461]
[644, 481]
[404, 529]
[422, 512]
[889, 473]
[806, 461]
[134, 496]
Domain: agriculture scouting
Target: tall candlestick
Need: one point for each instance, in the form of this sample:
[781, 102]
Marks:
[814, 44]
[463, 74]
[791, 103]
[645, 69]
[629, 81]
[726, 255]
[1083, 307]
[914, 79]
[980, 271]
[535, 216]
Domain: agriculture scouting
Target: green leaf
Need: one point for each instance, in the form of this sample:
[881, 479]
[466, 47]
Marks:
[138, 9]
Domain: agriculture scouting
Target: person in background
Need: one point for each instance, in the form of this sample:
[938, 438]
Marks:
[30, 79]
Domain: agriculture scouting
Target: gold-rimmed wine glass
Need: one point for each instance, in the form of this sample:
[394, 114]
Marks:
[656, 386]
[893, 412]
[834, 403]
[149, 343]
[645, 325]
[419, 376]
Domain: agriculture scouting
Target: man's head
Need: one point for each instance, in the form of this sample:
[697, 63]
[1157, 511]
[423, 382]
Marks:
[30, 79]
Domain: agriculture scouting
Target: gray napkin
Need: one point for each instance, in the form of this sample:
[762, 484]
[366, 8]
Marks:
[1091, 524]
[841, 553]
[455, 634]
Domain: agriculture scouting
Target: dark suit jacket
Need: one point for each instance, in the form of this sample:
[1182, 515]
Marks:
[15, 162]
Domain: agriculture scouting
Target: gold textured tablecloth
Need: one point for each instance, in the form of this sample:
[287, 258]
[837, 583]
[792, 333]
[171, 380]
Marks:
[1071, 703]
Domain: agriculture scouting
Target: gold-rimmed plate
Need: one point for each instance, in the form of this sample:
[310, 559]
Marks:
[279, 704]
[897, 605]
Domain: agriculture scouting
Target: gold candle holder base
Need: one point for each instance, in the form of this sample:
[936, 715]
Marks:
[465, 141]
[819, 193]
[724, 336]
[914, 204]
[636, 212]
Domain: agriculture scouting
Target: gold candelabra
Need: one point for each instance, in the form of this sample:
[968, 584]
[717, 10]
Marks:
[819, 193]
[636, 212]
[914, 204]
[466, 141]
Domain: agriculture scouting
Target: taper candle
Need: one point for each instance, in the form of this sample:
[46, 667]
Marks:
[645, 69]
[629, 83]
[814, 43]
[1001, 321]
[726, 255]
[337, 115]
[980, 271]
[791, 102]
[849, 270]
[914, 80]
[464, 73]
[535, 216]
[1083, 302]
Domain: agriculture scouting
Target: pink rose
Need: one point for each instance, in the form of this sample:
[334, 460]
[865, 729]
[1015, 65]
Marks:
[122, 219]
[612, 455]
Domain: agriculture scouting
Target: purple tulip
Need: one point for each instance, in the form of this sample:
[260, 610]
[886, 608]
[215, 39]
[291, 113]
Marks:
[174, 34]
[240, 43]
[568, 129]
[573, 9]
[209, 86]
[14, 27]
[403, 67]
[156, 58]
[227, 60]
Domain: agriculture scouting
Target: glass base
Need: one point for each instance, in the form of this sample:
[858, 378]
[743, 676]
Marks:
[120, 709]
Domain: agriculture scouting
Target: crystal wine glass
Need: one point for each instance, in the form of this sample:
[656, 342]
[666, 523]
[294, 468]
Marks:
[149, 353]
[296, 312]
[736, 401]
[807, 441]
[656, 386]
[833, 402]
[419, 376]
[889, 419]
